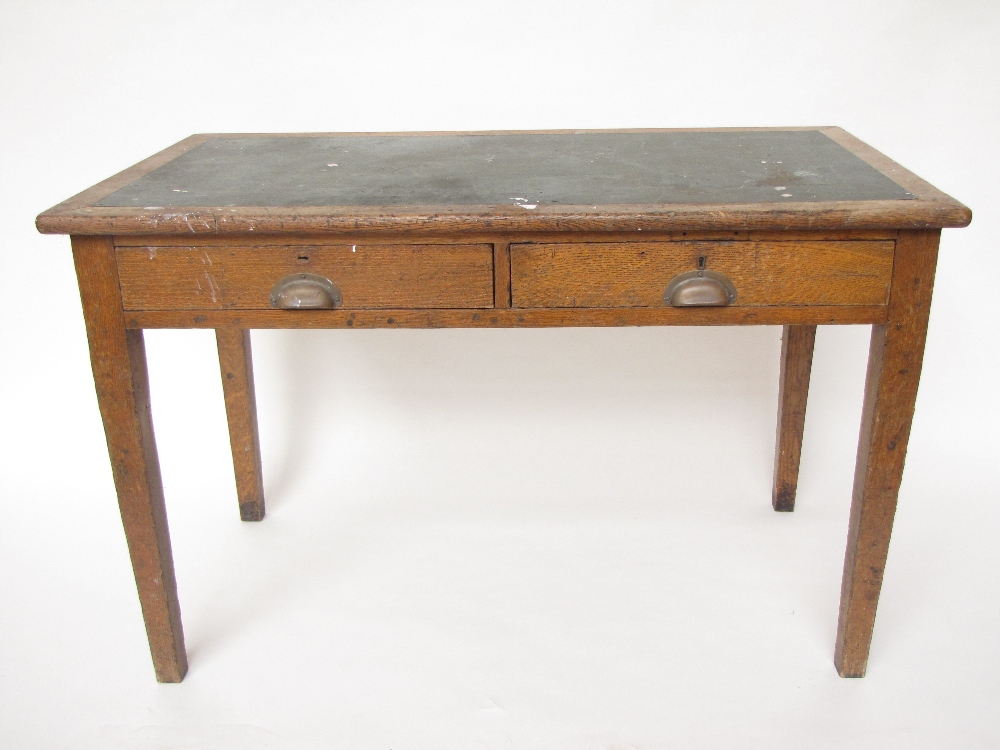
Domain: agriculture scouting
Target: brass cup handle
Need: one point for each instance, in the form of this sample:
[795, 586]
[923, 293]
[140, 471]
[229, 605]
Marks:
[305, 291]
[700, 289]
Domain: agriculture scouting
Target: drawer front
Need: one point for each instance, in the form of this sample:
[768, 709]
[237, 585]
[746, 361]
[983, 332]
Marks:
[368, 276]
[636, 274]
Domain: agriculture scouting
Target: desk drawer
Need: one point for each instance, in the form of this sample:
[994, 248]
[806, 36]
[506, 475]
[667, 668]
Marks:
[636, 274]
[368, 276]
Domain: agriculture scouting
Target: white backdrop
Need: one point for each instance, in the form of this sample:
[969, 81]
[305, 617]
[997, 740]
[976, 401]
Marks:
[525, 539]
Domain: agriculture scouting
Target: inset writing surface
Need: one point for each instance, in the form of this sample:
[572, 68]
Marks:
[529, 170]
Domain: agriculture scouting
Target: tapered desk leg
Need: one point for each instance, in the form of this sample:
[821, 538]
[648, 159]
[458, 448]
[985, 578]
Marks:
[796, 363]
[241, 409]
[118, 358]
[894, 363]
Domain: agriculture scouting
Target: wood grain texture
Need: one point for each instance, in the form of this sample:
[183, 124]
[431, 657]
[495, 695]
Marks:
[438, 219]
[894, 365]
[797, 344]
[515, 318]
[476, 237]
[765, 273]
[119, 363]
[501, 275]
[236, 365]
[370, 276]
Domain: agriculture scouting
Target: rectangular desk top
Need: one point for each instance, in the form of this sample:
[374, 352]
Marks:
[819, 178]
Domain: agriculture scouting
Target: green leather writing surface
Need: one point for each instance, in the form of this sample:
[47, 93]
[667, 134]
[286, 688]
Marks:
[529, 170]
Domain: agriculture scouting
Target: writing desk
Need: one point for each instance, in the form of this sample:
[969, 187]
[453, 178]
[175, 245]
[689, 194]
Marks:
[796, 227]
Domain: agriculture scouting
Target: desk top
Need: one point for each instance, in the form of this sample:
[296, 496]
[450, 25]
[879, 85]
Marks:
[820, 178]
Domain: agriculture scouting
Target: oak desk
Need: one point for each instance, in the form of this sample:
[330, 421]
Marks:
[789, 226]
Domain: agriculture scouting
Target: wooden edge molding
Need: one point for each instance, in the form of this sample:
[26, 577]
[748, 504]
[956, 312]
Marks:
[311, 239]
[913, 214]
[508, 318]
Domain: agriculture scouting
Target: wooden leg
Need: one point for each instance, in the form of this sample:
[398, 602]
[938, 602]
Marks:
[894, 363]
[118, 358]
[796, 363]
[241, 409]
